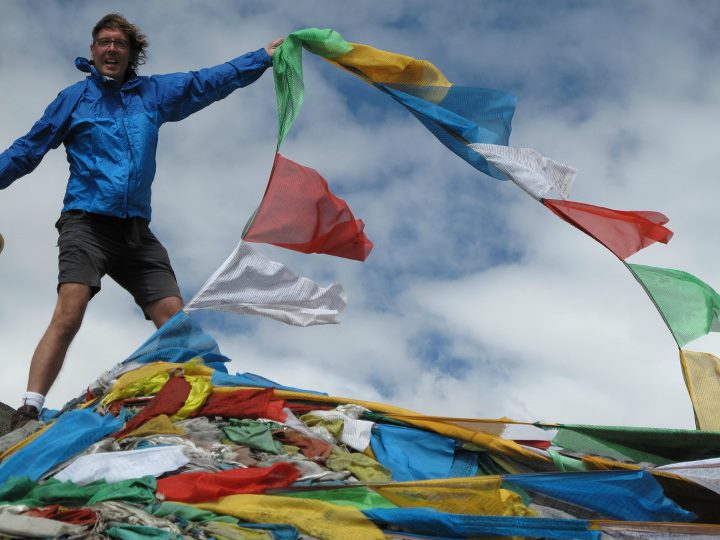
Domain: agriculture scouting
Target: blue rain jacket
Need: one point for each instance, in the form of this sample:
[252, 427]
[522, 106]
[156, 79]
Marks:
[110, 131]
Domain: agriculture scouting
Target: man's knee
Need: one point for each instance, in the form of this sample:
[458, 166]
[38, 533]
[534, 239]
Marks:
[162, 310]
[73, 299]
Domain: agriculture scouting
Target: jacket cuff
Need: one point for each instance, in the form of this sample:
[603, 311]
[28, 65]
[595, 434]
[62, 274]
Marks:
[266, 58]
[251, 61]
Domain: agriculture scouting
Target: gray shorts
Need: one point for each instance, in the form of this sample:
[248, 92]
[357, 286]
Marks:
[92, 245]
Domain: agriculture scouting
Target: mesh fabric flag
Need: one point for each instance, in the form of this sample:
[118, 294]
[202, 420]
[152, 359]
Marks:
[688, 305]
[299, 212]
[370, 64]
[456, 115]
[464, 116]
[288, 74]
[376, 66]
[534, 173]
[622, 232]
[250, 283]
[178, 340]
[702, 378]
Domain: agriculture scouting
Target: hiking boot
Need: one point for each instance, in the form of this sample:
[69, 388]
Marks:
[22, 416]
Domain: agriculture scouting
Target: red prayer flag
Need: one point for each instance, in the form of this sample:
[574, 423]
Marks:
[299, 212]
[168, 400]
[310, 447]
[210, 486]
[79, 516]
[622, 232]
[244, 404]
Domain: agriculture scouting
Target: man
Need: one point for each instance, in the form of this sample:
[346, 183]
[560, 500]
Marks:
[109, 124]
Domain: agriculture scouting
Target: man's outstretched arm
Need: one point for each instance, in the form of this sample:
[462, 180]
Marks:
[27, 152]
[181, 94]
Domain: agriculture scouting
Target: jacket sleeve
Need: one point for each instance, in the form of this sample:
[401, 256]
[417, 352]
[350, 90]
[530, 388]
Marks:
[181, 94]
[27, 152]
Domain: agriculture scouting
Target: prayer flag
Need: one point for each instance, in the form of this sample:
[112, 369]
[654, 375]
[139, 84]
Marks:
[702, 378]
[621, 495]
[250, 283]
[288, 74]
[457, 116]
[463, 116]
[299, 212]
[688, 305]
[622, 232]
[180, 339]
[192, 487]
[530, 170]
[384, 67]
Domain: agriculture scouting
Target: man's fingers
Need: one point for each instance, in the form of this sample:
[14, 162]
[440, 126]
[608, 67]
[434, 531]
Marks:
[274, 45]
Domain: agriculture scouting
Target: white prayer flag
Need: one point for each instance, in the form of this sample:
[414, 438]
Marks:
[118, 466]
[250, 283]
[530, 170]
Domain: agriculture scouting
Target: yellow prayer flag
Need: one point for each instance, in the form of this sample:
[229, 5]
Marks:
[155, 426]
[150, 378]
[200, 390]
[386, 67]
[474, 495]
[702, 378]
[318, 519]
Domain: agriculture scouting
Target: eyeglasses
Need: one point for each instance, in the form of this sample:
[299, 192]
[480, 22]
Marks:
[120, 44]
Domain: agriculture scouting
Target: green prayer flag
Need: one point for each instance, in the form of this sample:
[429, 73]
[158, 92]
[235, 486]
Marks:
[33, 494]
[140, 532]
[363, 467]
[188, 512]
[689, 306]
[288, 74]
[659, 446]
[253, 434]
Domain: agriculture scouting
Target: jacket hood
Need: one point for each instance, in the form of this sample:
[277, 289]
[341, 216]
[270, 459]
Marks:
[84, 65]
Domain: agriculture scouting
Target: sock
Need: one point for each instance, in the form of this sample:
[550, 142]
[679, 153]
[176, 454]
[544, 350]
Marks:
[34, 399]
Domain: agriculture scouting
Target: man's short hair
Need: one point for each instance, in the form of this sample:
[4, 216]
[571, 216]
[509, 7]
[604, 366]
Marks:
[138, 41]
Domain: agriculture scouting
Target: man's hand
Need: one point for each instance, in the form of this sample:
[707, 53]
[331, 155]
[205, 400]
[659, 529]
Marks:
[270, 48]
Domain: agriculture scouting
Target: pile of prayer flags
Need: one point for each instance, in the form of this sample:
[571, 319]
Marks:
[163, 451]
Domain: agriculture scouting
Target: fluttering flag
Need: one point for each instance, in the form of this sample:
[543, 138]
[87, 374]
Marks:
[288, 74]
[464, 116]
[530, 170]
[622, 232]
[299, 212]
[689, 306]
[376, 66]
[370, 64]
[179, 340]
[457, 116]
[250, 283]
[702, 378]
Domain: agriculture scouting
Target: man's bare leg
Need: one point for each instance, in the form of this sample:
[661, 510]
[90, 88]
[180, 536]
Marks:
[50, 353]
[162, 310]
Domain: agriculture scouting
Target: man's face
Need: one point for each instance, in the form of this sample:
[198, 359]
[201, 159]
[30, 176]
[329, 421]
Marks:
[111, 53]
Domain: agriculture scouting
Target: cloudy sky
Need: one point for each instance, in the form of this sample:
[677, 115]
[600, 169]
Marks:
[476, 301]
